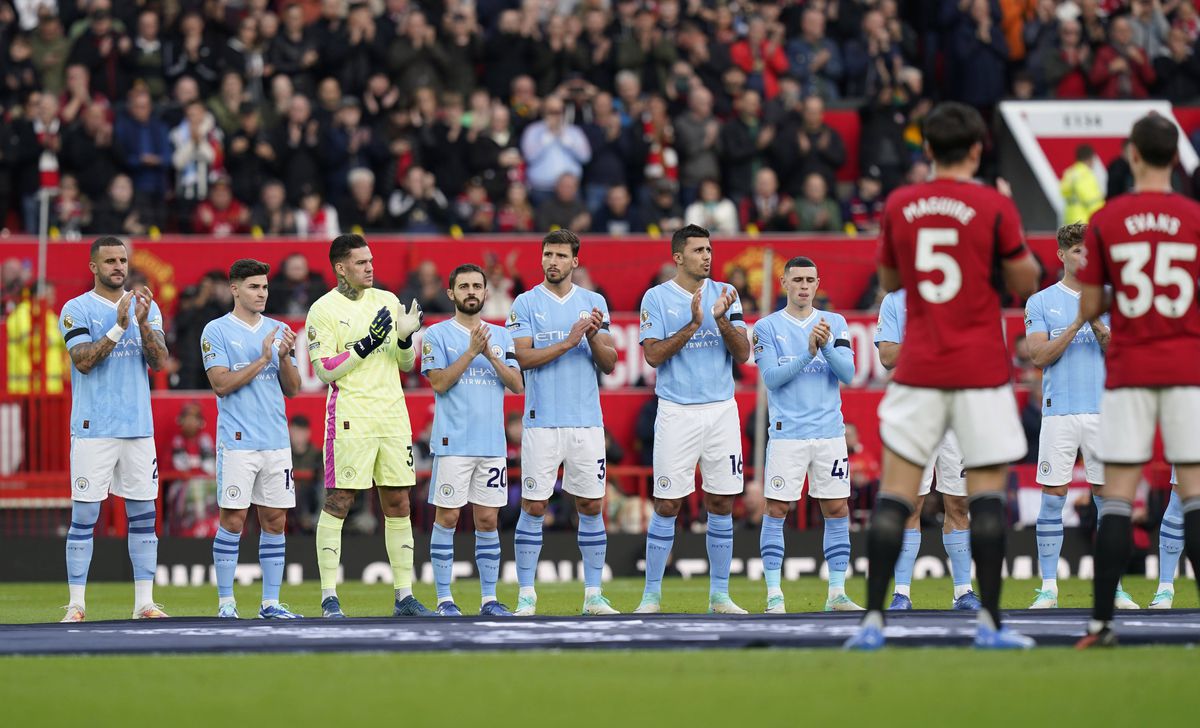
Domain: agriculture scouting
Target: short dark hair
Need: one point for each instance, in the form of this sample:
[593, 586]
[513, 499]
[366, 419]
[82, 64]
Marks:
[680, 237]
[1084, 152]
[800, 261]
[466, 268]
[951, 129]
[247, 268]
[300, 421]
[341, 246]
[105, 241]
[562, 236]
[1156, 139]
[1071, 235]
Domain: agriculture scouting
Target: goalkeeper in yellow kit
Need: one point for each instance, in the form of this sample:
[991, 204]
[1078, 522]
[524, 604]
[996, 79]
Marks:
[359, 340]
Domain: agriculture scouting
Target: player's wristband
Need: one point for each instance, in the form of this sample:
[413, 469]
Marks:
[405, 343]
[115, 334]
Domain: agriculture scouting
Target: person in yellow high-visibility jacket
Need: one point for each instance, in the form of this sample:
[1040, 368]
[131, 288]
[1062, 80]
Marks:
[21, 344]
[1080, 189]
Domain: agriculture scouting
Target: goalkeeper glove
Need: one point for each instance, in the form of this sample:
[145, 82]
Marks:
[408, 321]
[381, 326]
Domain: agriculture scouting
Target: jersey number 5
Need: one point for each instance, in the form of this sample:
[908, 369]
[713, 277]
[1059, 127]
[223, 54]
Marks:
[1135, 256]
[930, 260]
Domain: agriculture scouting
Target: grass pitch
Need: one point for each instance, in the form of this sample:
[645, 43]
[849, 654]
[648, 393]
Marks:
[601, 688]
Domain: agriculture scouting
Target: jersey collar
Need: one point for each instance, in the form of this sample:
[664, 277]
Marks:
[1068, 291]
[671, 284]
[102, 299]
[555, 297]
[245, 325]
[799, 322]
[460, 327]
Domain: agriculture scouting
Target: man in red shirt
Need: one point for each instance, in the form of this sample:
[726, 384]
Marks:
[1144, 245]
[940, 240]
[221, 215]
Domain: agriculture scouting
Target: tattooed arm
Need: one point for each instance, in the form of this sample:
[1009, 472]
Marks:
[154, 343]
[86, 356]
[154, 348]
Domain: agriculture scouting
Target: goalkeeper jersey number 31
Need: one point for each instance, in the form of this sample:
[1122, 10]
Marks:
[369, 400]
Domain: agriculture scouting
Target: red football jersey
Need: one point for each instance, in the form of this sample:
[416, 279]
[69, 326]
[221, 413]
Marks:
[1145, 246]
[944, 237]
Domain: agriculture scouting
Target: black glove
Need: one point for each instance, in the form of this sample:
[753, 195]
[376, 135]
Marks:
[381, 326]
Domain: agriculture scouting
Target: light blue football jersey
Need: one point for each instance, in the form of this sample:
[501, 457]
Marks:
[893, 314]
[809, 405]
[253, 417]
[468, 420]
[113, 399]
[702, 371]
[565, 392]
[1073, 384]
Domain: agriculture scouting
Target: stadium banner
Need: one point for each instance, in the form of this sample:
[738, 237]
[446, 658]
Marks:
[1048, 132]
[188, 561]
[621, 268]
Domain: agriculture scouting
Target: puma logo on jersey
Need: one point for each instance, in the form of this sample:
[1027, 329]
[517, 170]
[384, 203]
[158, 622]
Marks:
[539, 316]
[344, 323]
[672, 312]
[237, 343]
[1056, 312]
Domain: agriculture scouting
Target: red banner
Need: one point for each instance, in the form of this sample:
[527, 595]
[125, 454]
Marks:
[621, 268]
[632, 369]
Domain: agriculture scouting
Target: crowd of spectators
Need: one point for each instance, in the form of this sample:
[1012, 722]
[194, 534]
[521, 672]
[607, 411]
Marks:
[313, 117]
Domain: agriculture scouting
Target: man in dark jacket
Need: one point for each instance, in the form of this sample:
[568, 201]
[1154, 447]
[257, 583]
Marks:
[142, 139]
[743, 143]
[806, 144]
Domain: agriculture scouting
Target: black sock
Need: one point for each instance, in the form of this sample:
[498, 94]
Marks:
[1191, 532]
[884, 539]
[987, 549]
[1114, 546]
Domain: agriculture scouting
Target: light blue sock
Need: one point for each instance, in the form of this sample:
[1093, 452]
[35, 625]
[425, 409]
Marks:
[271, 550]
[837, 550]
[1170, 540]
[1050, 534]
[79, 541]
[593, 544]
[770, 546]
[958, 548]
[143, 540]
[487, 560]
[719, 541]
[441, 553]
[225, 559]
[529, 548]
[907, 560]
[659, 538]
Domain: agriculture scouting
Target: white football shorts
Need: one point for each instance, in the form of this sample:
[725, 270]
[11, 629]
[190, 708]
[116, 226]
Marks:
[125, 467]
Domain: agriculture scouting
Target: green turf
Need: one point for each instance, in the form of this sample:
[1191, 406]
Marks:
[602, 688]
[1131, 687]
[41, 602]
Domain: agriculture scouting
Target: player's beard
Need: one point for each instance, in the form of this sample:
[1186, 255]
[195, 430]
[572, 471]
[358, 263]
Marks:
[470, 307]
[113, 285]
[558, 277]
